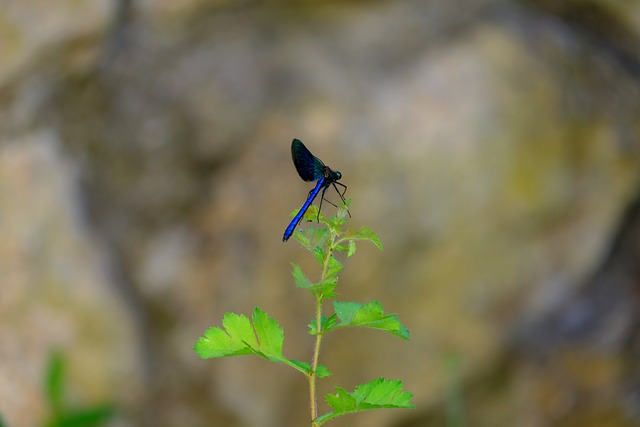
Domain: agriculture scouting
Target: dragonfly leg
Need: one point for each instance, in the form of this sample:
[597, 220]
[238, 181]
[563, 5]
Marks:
[341, 185]
[341, 195]
[321, 199]
[331, 203]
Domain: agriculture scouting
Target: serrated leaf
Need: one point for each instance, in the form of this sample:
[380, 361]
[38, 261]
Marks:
[311, 237]
[264, 338]
[301, 366]
[312, 214]
[326, 324]
[322, 372]
[340, 248]
[319, 234]
[325, 288]
[363, 234]
[330, 323]
[239, 337]
[376, 394]
[313, 327]
[303, 239]
[305, 368]
[335, 222]
[217, 342]
[298, 276]
[318, 253]
[370, 315]
[352, 248]
[270, 335]
[334, 266]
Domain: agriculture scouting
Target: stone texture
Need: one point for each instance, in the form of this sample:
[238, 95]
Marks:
[55, 293]
[493, 146]
[31, 29]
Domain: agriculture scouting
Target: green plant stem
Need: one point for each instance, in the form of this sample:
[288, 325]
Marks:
[320, 333]
[314, 365]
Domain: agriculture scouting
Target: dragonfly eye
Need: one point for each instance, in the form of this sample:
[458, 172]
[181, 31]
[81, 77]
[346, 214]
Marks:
[338, 176]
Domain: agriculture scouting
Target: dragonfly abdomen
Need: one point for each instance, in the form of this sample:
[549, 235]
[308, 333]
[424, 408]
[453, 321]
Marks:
[296, 219]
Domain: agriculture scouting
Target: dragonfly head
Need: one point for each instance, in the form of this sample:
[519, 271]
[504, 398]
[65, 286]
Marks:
[337, 175]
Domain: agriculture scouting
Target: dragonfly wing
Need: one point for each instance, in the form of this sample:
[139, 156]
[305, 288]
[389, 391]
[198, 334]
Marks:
[309, 167]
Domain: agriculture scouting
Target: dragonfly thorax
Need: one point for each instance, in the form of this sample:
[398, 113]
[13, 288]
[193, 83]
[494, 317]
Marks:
[331, 175]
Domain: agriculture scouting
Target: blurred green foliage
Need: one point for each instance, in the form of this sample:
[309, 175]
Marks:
[62, 414]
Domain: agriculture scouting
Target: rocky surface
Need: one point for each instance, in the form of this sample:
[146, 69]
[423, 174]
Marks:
[146, 182]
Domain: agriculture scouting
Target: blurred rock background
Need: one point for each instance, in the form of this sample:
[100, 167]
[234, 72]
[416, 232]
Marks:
[146, 180]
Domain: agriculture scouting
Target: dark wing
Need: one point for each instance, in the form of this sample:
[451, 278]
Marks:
[309, 167]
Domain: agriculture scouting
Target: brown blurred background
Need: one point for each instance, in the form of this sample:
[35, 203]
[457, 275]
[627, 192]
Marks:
[146, 180]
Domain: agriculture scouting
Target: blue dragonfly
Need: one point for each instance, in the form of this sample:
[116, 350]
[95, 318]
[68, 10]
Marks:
[310, 168]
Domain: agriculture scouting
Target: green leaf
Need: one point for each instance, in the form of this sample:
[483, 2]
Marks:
[303, 239]
[314, 240]
[340, 248]
[84, 417]
[337, 221]
[376, 394]
[270, 335]
[334, 224]
[301, 366]
[305, 368]
[370, 315]
[239, 337]
[218, 343]
[298, 276]
[318, 253]
[61, 415]
[363, 234]
[319, 234]
[324, 289]
[326, 324]
[54, 381]
[334, 266]
[352, 248]
[311, 215]
[343, 209]
[322, 372]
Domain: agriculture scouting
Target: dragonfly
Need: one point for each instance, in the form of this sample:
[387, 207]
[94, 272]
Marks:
[310, 168]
